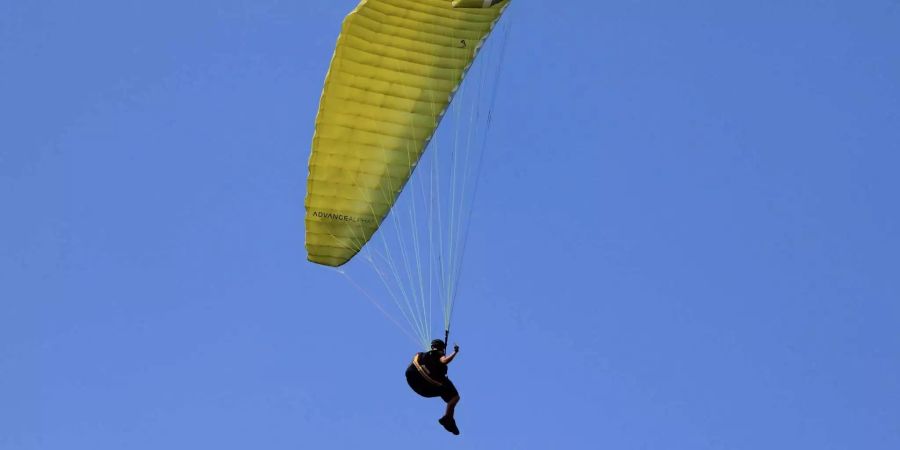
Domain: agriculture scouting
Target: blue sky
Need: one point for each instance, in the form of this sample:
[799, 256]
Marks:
[686, 236]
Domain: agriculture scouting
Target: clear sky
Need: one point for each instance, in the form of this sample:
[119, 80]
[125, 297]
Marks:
[687, 235]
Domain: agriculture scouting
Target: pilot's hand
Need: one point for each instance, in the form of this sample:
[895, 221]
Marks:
[455, 348]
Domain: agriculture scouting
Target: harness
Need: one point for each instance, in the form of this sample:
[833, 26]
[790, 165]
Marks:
[424, 372]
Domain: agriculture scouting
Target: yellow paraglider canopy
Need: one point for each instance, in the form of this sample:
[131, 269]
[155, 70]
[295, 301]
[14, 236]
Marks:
[395, 69]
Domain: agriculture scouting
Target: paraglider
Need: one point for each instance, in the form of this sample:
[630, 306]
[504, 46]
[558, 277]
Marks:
[427, 376]
[397, 67]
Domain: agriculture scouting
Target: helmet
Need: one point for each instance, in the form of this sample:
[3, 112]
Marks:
[438, 344]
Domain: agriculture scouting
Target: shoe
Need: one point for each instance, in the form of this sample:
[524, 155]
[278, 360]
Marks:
[449, 425]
